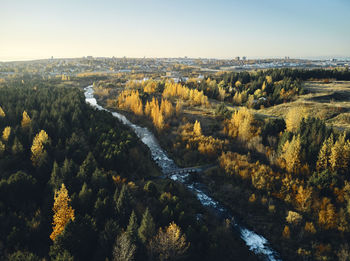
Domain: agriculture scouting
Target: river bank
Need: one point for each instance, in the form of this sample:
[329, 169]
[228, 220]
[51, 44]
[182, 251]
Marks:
[257, 244]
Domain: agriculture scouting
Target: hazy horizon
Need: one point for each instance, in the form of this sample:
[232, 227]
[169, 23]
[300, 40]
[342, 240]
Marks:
[224, 29]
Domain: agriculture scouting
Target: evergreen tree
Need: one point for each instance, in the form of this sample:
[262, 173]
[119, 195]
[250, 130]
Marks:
[132, 227]
[123, 205]
[147, 227]
[17, 147]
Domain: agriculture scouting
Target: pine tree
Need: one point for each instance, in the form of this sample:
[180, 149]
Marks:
[147, 227]
[123, 204]
[6, 133]
[132, 227]
[63, 213]
[56, 177]
[26, 121]
[17, 147]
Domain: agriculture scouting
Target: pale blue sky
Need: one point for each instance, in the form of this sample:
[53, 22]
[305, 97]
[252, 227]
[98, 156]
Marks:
[173, 28]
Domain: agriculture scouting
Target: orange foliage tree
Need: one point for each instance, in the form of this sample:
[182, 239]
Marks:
[37, 149]
[63, 213]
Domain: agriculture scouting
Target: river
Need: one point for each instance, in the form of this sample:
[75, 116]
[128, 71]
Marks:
[256, 243]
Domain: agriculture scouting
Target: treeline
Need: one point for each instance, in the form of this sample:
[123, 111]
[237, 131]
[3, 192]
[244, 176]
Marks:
[70, 188]
[262, 88]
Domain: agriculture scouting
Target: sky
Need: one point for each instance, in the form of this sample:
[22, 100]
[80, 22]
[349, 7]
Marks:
[40, 29]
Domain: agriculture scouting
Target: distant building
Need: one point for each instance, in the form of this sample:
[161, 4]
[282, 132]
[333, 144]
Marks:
[244, 58]
[237, 58]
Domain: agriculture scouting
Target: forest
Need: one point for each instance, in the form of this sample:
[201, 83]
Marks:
[70, 188]
[287, 177]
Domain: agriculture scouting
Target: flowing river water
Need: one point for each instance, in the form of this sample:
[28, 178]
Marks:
[256, 243]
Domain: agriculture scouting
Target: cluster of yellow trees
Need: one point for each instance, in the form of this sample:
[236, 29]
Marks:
[17, 146]
[194, 139]
[240, 97]
[130, 100]
[261, 176]
[240, 125]
[159, 113]
[194, 96]
[334, 156]
[148, 86]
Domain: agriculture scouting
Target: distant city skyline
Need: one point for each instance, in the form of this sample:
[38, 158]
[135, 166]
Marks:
[221, 29]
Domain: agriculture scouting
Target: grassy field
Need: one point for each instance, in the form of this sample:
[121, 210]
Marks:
[327, 101]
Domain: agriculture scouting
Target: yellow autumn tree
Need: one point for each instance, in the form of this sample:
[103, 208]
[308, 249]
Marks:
[62, 212]
[286, 232]
[291, 155]
[166, 108]
[169, 243]
[150, 86]
[238, 84]
[6, 133]
[309, 227]
[178, 108]
[268, 79]
[324, 154]
[327, 216]
[304, 198]
[340, 154]
[240, 125]
[37, 149]
[222, 93]
[294, 117]
[2, 148]
[2, 113]
[130, 100]
[197, 130]
[25, 120]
